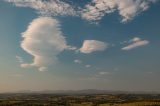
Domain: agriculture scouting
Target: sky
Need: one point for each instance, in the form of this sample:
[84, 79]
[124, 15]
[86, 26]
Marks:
[79, 44]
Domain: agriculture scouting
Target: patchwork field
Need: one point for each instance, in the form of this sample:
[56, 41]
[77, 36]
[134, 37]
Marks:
[79, 100]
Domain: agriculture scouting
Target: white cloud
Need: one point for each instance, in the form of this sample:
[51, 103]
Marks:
[93, 11]
[103, 73]
[49, 7]
[72, 48]
[135, 42]
[26, 65]
[42, 69]
[135, 39]
[127, 9]
[43, 40]
[97, 9]
[88, 66]
[78, 61]
[90, 46]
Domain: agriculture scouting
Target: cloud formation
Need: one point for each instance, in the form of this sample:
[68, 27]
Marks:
[78, 61]
[43, 40]
[94, 11]
[127, 9]
[46, 7]
[90, 46]
[104, 73]
[87, 66]
[134, 43]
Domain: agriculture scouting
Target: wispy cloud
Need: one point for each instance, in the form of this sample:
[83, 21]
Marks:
[93, 11]
[87, 66]
[42, 69]
[43, 40]
[134, 43]
[90, 46]
[78, 61]
[46, 7]
[104, 73]
[127, 9]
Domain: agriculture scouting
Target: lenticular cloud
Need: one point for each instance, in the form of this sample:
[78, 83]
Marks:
[135, 42]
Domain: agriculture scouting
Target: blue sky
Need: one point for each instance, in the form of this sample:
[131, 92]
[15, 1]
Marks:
[67, 44]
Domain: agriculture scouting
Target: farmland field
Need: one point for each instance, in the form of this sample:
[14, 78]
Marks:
[79, 100]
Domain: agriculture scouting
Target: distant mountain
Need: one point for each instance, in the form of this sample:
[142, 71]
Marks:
[85, 91]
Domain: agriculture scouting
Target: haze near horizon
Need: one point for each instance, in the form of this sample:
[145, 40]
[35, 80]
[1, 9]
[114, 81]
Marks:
[79, 44]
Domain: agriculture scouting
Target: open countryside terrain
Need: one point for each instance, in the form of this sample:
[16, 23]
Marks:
[24, 99]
